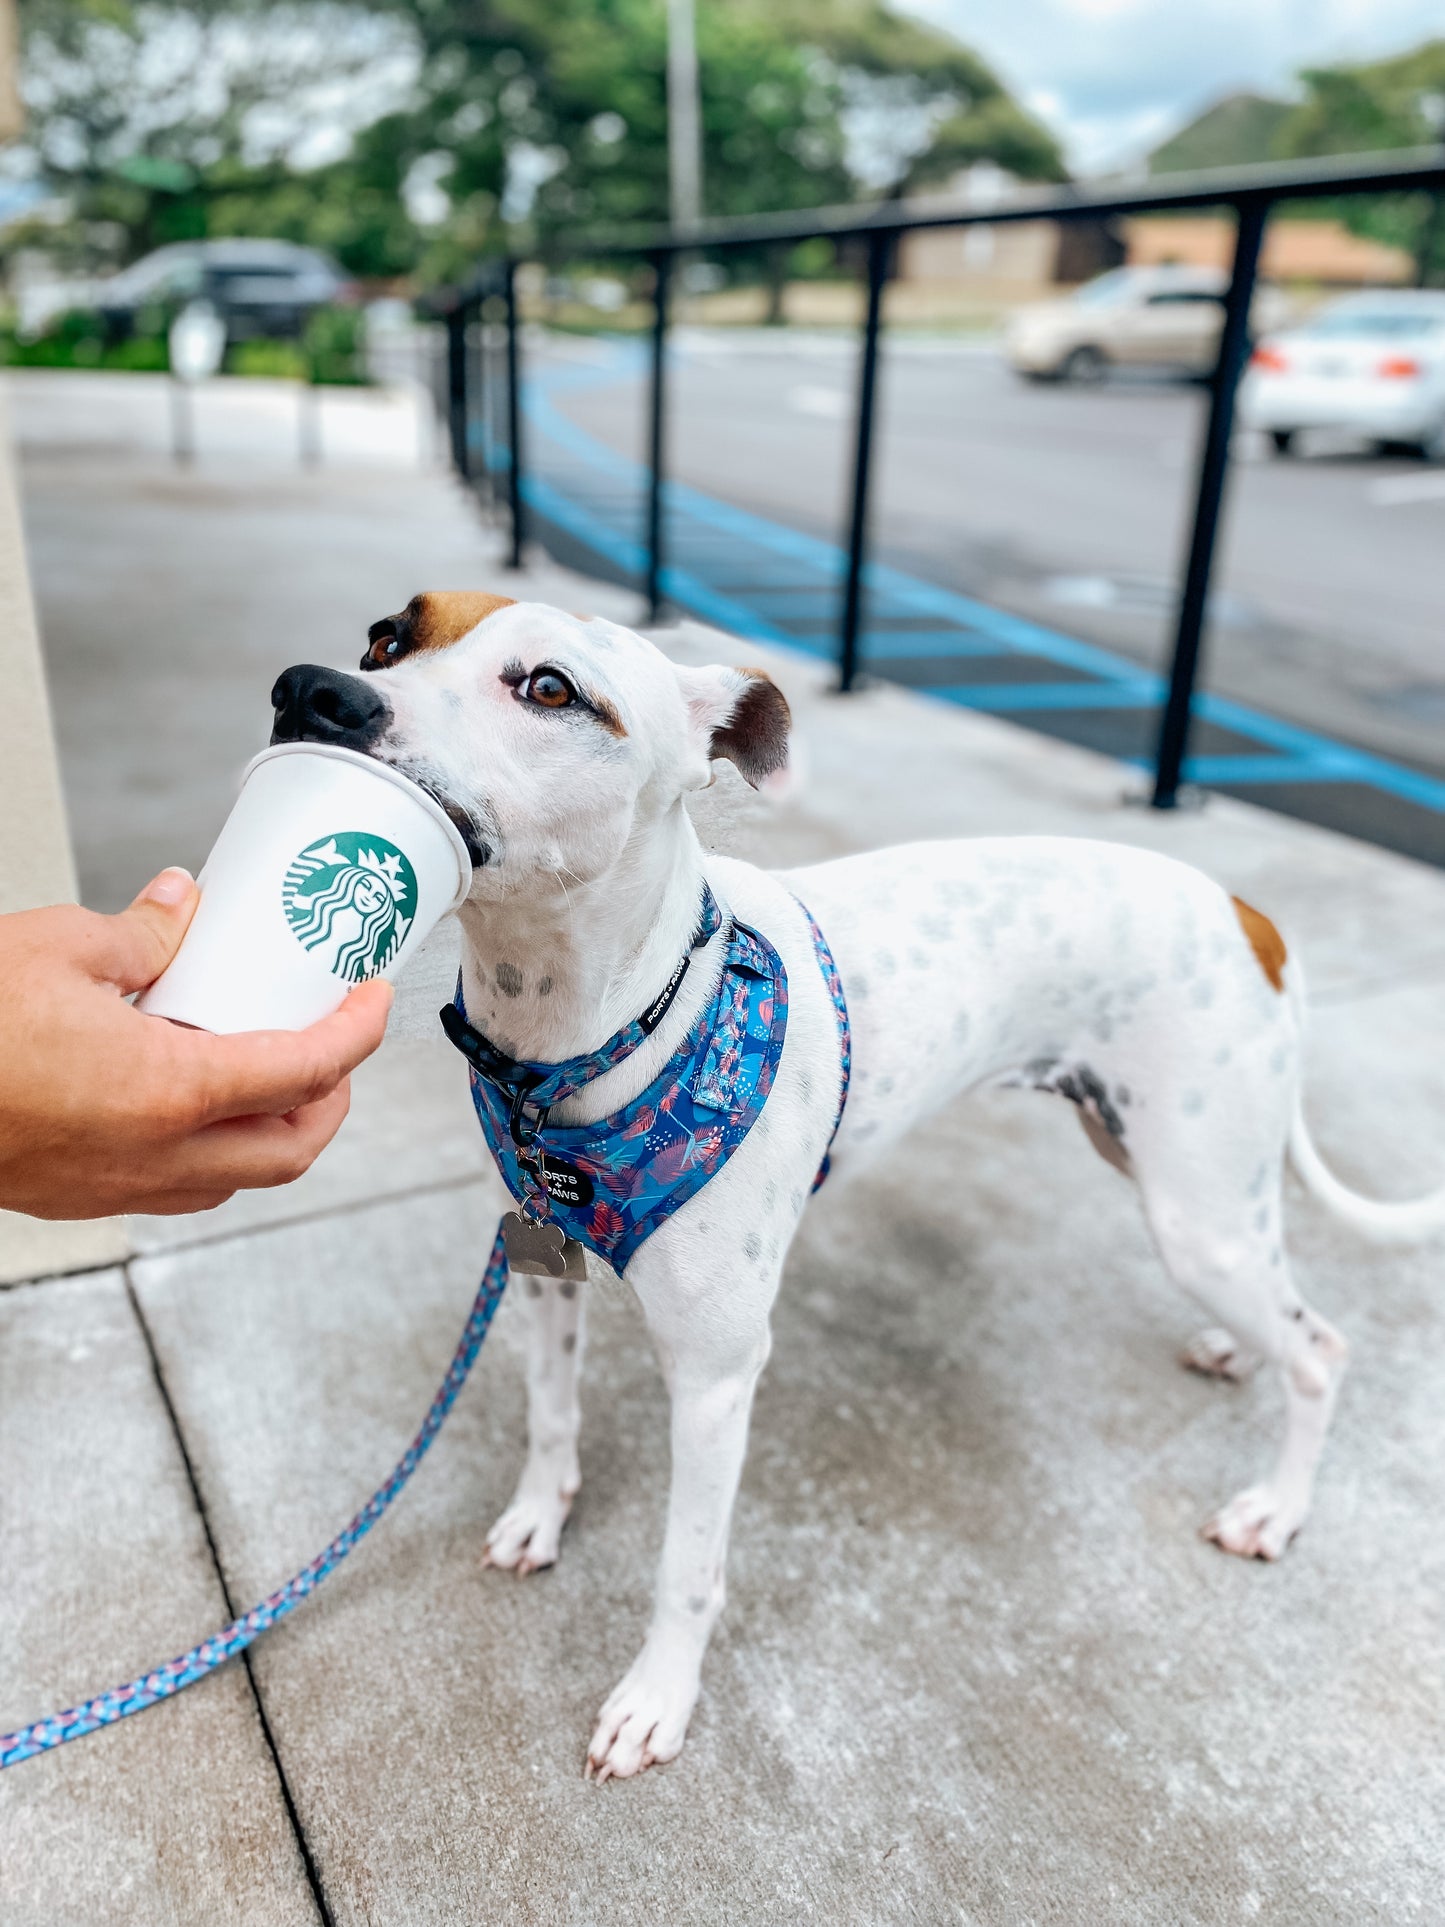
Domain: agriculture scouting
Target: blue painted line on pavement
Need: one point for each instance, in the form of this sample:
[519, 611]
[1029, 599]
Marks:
[1144, 694]
[701, 524]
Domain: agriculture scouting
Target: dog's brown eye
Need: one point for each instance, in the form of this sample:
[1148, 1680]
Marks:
[384, 649]
[546, 687]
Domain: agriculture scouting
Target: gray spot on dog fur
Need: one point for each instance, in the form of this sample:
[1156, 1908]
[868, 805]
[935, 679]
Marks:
[1085, 1088]
[857, 989]
[569, 1343]
[544, 987]
[569, 1287]
[509, 980]
[697, 1604]
[961, 1026]
[1192, 1103]
[534, 1287]
[753, 1245]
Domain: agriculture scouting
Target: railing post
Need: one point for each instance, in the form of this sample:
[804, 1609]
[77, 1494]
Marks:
[661, 269]
[1213, 468]
[457, 388]
[514, 416]
[879, 261]
[478, 467]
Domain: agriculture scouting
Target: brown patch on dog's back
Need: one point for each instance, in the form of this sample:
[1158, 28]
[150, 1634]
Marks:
[1264, 940]
[433, 620]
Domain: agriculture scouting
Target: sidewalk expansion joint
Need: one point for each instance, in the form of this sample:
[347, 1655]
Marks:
[434, 1188]
[313, 1876]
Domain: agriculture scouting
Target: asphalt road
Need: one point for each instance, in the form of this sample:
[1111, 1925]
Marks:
[1072, 507]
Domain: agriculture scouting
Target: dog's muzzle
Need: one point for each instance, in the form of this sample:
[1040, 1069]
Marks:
[316, 705]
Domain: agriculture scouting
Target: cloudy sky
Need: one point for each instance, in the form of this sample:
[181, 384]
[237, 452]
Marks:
[1113, 77]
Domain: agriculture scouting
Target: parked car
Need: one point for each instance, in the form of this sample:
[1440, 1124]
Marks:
[259, 288]
[1167, 317]
[1373, 364]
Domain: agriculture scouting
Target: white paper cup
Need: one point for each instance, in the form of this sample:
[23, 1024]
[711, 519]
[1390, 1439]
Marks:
[331, 869]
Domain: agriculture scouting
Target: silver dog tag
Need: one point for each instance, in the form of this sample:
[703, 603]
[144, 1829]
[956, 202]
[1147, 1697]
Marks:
[542, 1250]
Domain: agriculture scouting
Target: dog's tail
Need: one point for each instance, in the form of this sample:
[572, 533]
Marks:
[1408, 1222]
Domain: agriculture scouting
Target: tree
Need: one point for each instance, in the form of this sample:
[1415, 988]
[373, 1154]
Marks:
[1360, 109]
[161, 121]
[515, 119]
[551, 118]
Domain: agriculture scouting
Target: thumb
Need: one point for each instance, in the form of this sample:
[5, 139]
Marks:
[144, 938]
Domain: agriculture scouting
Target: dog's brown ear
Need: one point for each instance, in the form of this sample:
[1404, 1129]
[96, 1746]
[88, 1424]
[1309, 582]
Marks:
[742, 715]
[433, 620]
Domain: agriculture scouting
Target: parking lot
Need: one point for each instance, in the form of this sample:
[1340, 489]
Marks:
[1071, 507]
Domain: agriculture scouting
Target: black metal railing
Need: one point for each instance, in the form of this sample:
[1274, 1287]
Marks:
[1251, 193]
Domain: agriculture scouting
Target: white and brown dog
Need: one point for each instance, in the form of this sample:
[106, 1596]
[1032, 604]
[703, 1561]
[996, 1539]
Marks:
[565, 749]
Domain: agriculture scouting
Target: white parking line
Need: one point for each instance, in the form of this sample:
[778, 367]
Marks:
[831, 404]
[1398, 491]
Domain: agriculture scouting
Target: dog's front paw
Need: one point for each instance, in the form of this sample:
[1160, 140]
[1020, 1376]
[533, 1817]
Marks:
[645, 1721]
[1259, 1524]
[529, 1533]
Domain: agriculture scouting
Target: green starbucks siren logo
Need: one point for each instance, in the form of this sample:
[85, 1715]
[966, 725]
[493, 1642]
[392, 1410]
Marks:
[350, 900]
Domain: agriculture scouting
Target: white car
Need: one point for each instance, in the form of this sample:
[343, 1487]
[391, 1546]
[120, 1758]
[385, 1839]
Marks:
[1164, 317]
[1371, 364]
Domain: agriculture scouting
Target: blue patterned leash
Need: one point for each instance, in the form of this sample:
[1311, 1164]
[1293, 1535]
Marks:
[171, 1678]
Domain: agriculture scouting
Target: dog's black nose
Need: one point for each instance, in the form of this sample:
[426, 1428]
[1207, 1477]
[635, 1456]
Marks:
[315, 705]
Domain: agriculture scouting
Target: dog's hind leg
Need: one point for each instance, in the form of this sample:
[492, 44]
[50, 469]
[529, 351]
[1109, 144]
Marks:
[1228, 1253]
[526, 1537]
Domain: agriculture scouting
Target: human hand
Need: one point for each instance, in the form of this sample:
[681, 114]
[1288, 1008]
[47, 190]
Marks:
[103, 1109]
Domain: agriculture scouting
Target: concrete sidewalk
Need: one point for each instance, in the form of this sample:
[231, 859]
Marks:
[976, 1666]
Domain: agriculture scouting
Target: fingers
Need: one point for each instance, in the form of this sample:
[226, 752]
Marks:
[272, 1072]
[132, 949]
[255, 1153]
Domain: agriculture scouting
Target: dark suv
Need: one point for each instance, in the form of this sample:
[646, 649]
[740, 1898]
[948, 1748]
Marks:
[259, 288]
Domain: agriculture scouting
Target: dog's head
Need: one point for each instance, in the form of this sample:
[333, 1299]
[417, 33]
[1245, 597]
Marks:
[547, 738]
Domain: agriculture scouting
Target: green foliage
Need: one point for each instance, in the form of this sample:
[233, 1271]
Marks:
[271, 360]
[527, 118]
[1360, 109]
[139, 115]
[76, 340]
[1356, 110]
[333, 346]
[330, 352]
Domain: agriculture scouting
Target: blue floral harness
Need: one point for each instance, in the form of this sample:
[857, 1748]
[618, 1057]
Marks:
[610, 1184]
